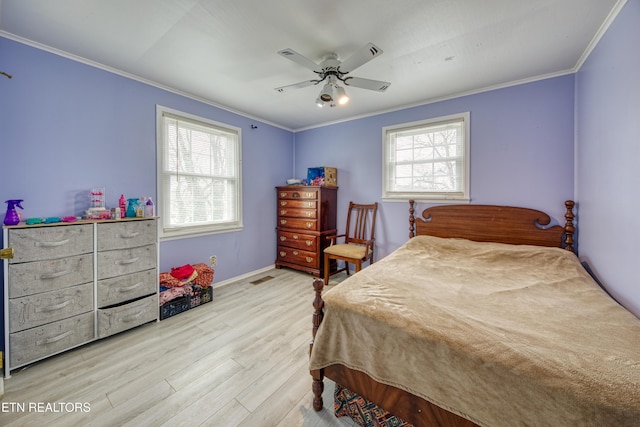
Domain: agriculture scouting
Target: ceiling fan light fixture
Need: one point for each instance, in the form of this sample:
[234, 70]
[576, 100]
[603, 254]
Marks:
[326, 95]
[342, 96]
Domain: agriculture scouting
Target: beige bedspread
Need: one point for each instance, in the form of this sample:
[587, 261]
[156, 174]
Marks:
[503, 335]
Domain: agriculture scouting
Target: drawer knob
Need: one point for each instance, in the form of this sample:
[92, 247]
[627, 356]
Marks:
[295, 237]
[46, 276]
[52, 244]
[309, 259]
[283, 211]
[309, 225]
[283, 203]
[54, 307]
[283, 221]
[309, 214]
[308, 195]
[295, 253]
[129, 288]
[296, 195]
[309, 242]
[282, 238]
[283, 254]
[129, 235]
[54, 339]
[133, 317]
[283, 194]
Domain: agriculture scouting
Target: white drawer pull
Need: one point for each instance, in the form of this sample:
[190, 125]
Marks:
[130, 235]
[132, 318]
[309, 242]
[52, 244]
[54, 339]
[129, 288]
[54, 307]
[46, 276]
[128, 261]
[309, 259]
[282, 238]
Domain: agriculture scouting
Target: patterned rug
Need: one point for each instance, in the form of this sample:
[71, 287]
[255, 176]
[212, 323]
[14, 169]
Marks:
[363, 412]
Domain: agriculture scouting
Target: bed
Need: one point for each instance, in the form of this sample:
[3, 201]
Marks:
[485, 317]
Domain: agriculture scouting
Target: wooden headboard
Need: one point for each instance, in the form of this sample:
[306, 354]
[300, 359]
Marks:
[489, 223]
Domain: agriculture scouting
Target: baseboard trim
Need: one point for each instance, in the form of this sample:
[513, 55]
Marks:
[243, 276]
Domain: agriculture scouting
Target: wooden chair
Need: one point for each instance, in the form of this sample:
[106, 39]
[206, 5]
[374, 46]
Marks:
[358, 239]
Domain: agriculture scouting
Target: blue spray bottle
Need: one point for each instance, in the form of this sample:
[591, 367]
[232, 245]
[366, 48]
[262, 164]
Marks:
[12, 217]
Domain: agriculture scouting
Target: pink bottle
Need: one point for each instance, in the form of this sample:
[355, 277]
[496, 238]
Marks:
[123, 206]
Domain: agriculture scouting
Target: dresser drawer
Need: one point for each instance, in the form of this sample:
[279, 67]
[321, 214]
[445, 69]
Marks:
[298, 213]
[123, 317]
[126, 234]
[35, 310]
[34, 277]
[126, 261]
[299, 223]
[40, 243]
[300, 204]
[298, 256]
[297, 240]
[131, 286]
[37, 343]
[311, 193]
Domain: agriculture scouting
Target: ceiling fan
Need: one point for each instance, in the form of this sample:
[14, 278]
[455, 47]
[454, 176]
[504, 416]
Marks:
[332, 70]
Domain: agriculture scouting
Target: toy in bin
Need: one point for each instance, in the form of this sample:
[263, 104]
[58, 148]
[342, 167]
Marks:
[322, 176]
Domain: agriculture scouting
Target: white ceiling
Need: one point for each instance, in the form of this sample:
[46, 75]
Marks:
[224, 51]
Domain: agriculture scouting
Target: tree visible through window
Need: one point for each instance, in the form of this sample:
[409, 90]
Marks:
[427, 159]
[199, 175]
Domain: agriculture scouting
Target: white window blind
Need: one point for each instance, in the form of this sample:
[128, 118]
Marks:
[200, 175]
[427, 159]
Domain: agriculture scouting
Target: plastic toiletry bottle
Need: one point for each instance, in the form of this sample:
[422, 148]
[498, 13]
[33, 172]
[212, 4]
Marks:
[149, 208]
[122, 203]
[142, 202]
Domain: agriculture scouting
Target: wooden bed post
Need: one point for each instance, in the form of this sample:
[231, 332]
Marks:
[317, 386]
[569, 228]
[412, 219]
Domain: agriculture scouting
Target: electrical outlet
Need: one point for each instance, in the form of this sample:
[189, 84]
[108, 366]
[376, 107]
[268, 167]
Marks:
[213, 260]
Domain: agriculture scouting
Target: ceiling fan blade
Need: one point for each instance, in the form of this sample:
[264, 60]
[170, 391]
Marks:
[300, 59]
[297, 85]
[361, 57]
[376, 85]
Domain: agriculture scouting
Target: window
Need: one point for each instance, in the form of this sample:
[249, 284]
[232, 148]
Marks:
[427, 160]
[199, 170]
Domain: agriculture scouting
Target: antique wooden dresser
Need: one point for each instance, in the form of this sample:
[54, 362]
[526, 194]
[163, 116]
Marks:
[306, 216]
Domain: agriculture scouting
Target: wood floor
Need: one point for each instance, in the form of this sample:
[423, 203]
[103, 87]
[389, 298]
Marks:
[240, 360]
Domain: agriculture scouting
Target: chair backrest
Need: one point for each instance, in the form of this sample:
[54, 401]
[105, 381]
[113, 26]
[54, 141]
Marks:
[361, 222]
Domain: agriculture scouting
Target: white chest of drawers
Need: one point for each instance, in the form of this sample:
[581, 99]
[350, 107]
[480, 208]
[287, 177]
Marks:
[69, 284]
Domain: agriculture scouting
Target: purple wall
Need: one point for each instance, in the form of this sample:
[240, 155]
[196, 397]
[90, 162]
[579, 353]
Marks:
[521, 152]
[67, 127]
[608, 151]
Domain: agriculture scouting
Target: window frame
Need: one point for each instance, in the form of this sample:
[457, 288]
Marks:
[180, 232]
[461, 197]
